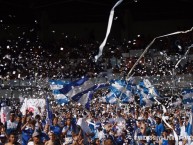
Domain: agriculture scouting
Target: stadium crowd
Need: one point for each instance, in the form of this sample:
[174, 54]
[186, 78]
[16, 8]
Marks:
[106, 124]
[73, 58]
[128, 124]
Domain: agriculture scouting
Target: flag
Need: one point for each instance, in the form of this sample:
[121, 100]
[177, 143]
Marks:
[85, 96]
[86, 99]
[78, 94]
[146, 92]
[49, 112]
[84, 125]
[77, 88]
[80, 91]
[189, 126]
[121, 90]
[187, 96]
[60, 98]
[110, 98]
[55, 86]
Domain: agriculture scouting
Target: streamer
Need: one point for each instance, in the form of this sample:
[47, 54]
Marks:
[150, 44]
[108, 30]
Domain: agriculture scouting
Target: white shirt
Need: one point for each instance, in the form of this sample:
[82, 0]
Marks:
[12, 125]
[101, 135]
[30, 143]
[183, 131]
[121, 124]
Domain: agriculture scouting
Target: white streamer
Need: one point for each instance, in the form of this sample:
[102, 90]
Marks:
[146, 49]
[175, 135]
[183, 56]
[108, 30]
[164, 119]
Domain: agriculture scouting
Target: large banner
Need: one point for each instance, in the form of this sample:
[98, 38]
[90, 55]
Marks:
[32, 105]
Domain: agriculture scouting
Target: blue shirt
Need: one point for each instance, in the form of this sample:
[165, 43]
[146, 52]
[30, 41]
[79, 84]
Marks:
[165, 142]
[26, 135]
[119, 140]
[159, 129]
[56, 129]
[44, 137]
[11, 127]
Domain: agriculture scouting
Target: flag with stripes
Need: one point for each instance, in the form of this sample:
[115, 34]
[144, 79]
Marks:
[55, 86]
[82, 90]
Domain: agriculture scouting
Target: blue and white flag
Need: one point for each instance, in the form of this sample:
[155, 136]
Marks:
[187, 96]
[78, 95]
[86, 99]
[76, 87]
[146, 92]
[55, 86]
[121, 90]
[189, 126]
[77, 83]
[85, 96]
[110, 98]
[81, 91]
[60, 98]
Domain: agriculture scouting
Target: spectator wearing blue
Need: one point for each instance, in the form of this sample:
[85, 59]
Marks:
[99, 132]
[55, 128]
[154, 140]
[130, 125]
[11, 126]
[27, 130]
[44, 134]
[159, 128]
[43, 121]
[68, 132]
[164, 140]
[73, 119]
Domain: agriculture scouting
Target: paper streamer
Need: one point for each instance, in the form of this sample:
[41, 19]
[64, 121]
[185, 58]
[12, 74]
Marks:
[108, 30]
[147, 48]
[164, 119]
[175, 135]
[176, 66]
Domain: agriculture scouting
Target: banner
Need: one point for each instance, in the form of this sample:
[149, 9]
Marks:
[32, 106]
